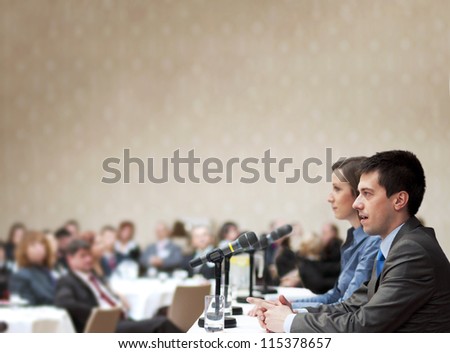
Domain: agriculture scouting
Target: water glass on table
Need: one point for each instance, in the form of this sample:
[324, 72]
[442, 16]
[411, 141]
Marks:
[214, 313]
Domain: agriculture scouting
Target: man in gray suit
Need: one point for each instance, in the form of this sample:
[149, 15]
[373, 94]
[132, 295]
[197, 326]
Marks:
[409, 290]
[163, 255]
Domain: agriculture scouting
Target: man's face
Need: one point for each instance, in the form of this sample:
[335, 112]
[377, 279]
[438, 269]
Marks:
[201, 238]
[162, 232]
[64, 242]
[376, 210]
[81, 261]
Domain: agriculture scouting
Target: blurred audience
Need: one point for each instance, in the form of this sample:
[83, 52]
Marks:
[319, 274]
[34, 280]
[63, 238]
[202, 241]
[81, 290]
[285, 264]
[73, 227]
[228, 232]
[163, 255]
[100, 262]
[180, 237]
[15, 235]
[271, 276]
[6, 267]
[88, 236]
[125, 247]
[109, 236]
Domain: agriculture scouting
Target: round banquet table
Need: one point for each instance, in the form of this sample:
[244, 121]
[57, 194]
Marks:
[36, 319]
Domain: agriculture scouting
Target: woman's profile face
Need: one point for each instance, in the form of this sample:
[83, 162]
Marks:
[36, 253]
[341, 198]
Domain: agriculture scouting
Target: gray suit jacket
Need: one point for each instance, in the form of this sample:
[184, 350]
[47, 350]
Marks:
[172, 261]
[412, 293]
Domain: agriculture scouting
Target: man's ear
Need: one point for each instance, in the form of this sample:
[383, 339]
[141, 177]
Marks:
[401, 200]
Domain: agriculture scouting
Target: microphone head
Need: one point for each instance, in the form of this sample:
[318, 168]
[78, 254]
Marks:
[280, 232]
[247, 239]
[252, 238]
[262, 243]
[195, 262]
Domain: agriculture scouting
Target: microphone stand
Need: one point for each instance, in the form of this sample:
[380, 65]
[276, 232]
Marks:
[251, 253]
[265, 289]
[217, 259]
[235, 310]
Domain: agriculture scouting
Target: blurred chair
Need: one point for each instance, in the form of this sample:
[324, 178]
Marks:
[187, 305]
[103, 320]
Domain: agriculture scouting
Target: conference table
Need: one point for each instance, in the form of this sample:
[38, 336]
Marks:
[36, 319]
[248, 324]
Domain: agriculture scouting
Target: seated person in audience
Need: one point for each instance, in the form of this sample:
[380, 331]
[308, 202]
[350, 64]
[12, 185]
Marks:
[63, 238]
[271, 275]
[88, 236]
[73, 227]
[319, 275]
[5, 272]
[285, 262]
[202, 241]
[81, 290]
[164, 255]
[228, 233]
[125, 247]
[108, 234]
[15, 235]
[100, 262]
[180, 237]
[34, 280]
[409, 290]
[359, 250]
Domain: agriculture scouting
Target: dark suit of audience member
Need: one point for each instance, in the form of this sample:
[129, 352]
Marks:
[285, 259]
[78, 299]
[5, 273]
[320, 275]
[34, 284]
[206, 270]
[81, 290]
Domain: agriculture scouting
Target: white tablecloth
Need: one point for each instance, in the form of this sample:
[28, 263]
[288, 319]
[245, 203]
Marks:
[36, 319]
[247, 324]
[146, 295]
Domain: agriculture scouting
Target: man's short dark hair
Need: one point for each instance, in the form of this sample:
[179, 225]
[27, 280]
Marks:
[62, 233]
[77, 245]
[398, 171]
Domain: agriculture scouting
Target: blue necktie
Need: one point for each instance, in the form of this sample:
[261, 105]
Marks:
[380, 262]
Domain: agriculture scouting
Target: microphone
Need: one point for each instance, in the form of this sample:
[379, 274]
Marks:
[244, 241]
[266, 239]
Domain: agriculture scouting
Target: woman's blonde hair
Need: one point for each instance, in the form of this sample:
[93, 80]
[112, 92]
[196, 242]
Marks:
[30, 238]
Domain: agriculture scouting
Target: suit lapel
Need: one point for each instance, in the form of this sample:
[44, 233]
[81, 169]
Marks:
[374, 282]
[85, 288]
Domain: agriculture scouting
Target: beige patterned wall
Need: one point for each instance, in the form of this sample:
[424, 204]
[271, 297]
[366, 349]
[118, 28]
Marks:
[83, 80]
